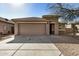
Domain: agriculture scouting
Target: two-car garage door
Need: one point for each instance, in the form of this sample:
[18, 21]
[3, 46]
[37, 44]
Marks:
[32, 29]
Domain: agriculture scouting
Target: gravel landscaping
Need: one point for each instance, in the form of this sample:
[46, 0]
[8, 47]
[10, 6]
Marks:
[69, 46]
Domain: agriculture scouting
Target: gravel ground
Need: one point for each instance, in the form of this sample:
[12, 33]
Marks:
[69, 46]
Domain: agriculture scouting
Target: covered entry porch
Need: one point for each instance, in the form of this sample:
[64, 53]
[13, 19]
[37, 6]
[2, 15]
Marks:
[53, 24]
[53, 28]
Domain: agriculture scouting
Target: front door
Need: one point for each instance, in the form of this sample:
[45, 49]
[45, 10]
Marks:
[52, 29]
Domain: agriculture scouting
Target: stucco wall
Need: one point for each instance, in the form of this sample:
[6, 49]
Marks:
[1, 27]
[5, 27]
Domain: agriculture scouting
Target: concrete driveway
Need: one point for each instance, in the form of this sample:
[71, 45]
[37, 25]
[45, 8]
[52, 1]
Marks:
[28, 46]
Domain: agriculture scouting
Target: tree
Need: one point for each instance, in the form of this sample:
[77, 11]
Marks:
[68, 12]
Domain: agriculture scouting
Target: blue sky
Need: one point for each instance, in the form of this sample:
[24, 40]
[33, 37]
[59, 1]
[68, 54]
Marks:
[8, 10]
[15, 10]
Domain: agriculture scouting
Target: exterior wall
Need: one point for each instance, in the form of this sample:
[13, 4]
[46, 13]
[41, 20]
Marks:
[1, 27]
[47, 29]
[9, 28]
[32, 29]
[16, 29]
[5, 28]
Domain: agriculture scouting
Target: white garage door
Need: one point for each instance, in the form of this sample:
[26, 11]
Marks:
[31, 29]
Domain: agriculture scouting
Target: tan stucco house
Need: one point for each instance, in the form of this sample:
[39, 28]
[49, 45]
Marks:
[46, 25]
[6, 26]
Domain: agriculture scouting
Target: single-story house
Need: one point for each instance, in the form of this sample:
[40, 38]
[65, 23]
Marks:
[38, 26]
[6, 26]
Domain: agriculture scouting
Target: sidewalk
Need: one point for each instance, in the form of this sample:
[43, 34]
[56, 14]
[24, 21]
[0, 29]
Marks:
[28, 49]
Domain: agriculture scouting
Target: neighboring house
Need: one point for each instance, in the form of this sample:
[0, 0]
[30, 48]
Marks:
[46, 25]
[6, 26]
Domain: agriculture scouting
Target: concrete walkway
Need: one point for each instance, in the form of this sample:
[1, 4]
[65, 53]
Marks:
[44, 47]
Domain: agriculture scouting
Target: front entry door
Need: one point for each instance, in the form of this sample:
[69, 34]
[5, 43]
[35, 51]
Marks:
[52, 29]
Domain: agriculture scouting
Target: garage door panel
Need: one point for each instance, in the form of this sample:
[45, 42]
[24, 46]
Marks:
[32, 29]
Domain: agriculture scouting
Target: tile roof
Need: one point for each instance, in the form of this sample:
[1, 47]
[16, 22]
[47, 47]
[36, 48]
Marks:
[28, 19]
[6, 20]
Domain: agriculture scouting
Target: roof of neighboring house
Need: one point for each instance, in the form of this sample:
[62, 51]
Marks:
[10, 21]
[29, 19]
[6, 20]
